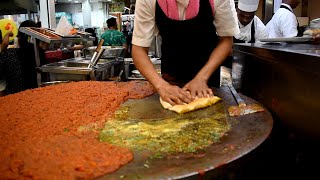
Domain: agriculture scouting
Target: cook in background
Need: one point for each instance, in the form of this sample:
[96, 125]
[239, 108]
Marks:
[129, 43]
[78, 48]
[196, 38]
[284, 22]
[20, 66]
[93, 34]
[251, 27]
[113, 37]
[10, 66]
[27, 57]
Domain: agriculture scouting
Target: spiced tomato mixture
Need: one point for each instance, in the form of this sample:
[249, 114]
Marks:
[51, 132]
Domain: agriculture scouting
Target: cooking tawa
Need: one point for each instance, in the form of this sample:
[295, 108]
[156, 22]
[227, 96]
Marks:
[247, 133]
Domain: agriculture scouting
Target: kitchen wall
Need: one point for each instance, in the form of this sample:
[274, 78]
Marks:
[298, 10]
[98, 13]
[259, 10]
[314, 9]
[74, 9]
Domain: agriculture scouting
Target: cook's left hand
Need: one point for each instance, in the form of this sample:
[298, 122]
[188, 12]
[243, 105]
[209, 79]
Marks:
[5, 41]
[198, 88]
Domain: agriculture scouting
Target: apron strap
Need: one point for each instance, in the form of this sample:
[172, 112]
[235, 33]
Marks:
[253, 32]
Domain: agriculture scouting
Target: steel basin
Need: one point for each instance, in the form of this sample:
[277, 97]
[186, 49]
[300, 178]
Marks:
[110, 51]
[76, 64]
[77, 70]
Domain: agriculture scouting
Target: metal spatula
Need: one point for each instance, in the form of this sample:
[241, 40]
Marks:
[96, 55]
[242, 107]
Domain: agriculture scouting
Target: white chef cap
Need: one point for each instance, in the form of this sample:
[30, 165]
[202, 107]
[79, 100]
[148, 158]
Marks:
[248, 5]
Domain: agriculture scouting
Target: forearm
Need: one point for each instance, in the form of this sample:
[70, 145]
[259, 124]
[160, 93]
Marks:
[77, 47]
[2, 47]
[216, 58]
[125, 46]
[5, 43]
[145, 66]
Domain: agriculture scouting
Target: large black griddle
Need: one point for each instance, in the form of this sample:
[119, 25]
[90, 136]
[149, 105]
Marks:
[248, 132]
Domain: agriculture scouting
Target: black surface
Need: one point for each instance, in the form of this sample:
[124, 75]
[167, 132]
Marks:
[8, 7]
[295, 48]
[284, 78]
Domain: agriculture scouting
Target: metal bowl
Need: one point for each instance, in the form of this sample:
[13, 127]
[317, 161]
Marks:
[110, 51]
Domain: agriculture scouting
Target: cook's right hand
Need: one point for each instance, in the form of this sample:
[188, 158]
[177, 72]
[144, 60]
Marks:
[174, 95]
[9, 33]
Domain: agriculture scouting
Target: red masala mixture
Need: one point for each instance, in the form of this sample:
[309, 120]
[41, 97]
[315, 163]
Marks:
[51, 132]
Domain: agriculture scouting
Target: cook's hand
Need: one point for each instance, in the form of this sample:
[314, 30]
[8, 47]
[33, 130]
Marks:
[198, 88]
[6, 41]
[43, 45]
[174, 94]
[316, 39]
[9, 33]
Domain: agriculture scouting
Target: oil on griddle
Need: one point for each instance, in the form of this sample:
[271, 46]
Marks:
[165, 133]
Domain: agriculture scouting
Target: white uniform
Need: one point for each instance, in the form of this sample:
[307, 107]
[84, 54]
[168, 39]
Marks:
[225, 19]
[245, 31]
[283, 24]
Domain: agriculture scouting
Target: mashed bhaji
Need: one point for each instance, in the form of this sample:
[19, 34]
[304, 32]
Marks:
[41, 136]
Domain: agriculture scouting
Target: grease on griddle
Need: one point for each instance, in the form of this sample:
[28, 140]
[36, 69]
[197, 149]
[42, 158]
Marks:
[165, 136]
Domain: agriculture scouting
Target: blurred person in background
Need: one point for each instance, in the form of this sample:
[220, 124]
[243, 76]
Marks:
[27, 57]
[129, 43]
[10, 66]
[93, 34]
[113, 37]
[284, 22]
[251, 27]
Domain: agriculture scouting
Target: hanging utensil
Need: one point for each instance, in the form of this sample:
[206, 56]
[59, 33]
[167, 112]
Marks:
[95, 54]
[97, 58]
[242, 107]
[119, 76]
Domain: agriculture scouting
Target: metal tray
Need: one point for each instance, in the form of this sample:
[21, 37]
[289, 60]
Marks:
[51, 37]
[289, 40]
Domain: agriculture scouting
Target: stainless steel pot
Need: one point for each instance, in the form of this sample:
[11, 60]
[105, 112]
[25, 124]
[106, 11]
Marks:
[110, 51]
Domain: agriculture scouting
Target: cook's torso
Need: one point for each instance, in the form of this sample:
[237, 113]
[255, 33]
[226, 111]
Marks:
[187, 44]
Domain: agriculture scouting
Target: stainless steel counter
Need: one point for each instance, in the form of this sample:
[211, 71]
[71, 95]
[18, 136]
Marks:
[284, 47]
[286, 79]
